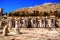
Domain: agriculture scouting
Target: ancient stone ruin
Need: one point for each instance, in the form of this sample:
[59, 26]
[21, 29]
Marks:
[28, 18]
[28, 22]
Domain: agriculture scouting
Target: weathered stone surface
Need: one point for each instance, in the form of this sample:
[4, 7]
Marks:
[5, 30]
[35, 34]
[33, 22]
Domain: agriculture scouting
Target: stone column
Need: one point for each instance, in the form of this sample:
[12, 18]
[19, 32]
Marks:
[26, 22]
[10, 24]
[0, 23]
[16, 27]
[39, 23]
[43, 22]
[19, 23]
[33, 23]
[53, 22]
[23, 23]
[49, 22]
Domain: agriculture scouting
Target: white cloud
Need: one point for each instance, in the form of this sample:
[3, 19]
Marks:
[49, 3]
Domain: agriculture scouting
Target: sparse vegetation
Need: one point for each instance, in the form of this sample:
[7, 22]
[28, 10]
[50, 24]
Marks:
[56, 13]
[45, 14]
[35, 11]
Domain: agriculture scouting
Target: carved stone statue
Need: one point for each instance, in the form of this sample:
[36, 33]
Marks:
[39, 22]
[43, 23]
[16, 27]
[23, 23]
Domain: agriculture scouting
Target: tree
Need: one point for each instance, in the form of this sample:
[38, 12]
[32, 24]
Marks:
[45, 14]
[56, 13]
[31, 14]
[16, 14]
[59, 14]
[26, 13]
[10, 14]
[51, 13]
[36, 13]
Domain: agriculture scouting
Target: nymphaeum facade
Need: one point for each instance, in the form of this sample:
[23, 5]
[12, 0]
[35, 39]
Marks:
[30, 22]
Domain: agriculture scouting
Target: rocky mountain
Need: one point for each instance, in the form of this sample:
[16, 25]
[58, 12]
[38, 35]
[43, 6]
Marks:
[46, 7]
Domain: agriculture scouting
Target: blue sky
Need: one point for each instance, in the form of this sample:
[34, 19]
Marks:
[11, 5]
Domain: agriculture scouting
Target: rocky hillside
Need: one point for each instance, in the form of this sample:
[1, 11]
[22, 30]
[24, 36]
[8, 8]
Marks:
[48, 7]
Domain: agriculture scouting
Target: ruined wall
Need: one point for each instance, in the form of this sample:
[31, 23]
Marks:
[30, 22]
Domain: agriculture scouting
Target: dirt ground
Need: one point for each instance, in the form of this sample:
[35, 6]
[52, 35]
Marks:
[34, 34]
